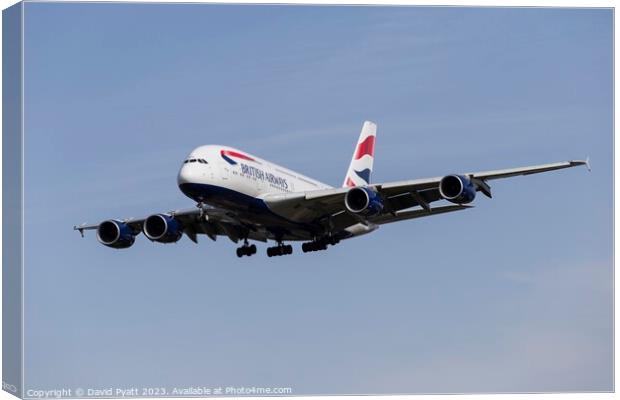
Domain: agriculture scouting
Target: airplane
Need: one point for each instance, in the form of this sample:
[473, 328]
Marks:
[244, 197]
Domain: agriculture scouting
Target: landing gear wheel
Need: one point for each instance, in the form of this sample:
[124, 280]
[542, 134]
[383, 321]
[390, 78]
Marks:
[279, 250]
[246, 250]
[319, 244]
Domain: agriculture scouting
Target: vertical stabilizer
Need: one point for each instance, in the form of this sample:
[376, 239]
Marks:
[363, 157]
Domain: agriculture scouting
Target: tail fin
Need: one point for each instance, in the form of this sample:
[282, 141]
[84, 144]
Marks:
[363, 157]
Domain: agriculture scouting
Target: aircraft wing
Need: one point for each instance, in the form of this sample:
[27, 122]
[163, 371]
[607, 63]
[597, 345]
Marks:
[209, 221]
[418, 213]
[328, 203]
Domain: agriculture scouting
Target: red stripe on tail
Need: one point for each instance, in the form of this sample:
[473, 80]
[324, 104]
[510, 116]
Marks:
[366, 147]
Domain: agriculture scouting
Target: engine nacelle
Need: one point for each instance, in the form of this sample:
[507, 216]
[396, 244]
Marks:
[163, 228]
[364, 201]
[457, 189]
[115, 234]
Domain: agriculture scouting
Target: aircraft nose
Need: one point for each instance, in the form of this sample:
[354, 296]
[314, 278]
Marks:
[190, 178]
[185, 175]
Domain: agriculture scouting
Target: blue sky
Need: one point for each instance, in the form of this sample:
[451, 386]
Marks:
[514, 295]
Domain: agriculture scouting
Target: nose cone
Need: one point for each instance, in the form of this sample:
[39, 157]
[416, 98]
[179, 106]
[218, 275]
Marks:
[191, 180]
[185, 175]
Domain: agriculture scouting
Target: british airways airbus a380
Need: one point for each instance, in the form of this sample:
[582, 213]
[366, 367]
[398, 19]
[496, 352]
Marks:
[246, 198]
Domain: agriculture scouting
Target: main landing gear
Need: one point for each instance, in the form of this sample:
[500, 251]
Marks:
[319, 244]
[246, 250]
[280, 250]
[286, 249]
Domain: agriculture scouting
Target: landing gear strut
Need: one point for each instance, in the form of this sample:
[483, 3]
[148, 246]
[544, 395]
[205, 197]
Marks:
[279, 250]
[246, 249]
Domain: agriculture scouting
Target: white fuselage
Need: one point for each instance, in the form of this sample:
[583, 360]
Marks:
[213, 171]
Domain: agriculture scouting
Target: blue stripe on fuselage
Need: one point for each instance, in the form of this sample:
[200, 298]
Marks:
[231, 199]
[229, 160]
[222, 197]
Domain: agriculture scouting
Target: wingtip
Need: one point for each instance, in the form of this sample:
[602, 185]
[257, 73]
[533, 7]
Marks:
[79, 228]
[585, 162]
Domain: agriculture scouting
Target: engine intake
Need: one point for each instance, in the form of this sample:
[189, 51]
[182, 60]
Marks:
[457, 189]
[364, 201]
[163, 228]
[115, 234]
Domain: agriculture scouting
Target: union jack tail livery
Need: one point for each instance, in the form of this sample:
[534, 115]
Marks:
[363, 157]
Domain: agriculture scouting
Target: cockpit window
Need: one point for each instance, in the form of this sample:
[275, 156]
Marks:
[193, 160]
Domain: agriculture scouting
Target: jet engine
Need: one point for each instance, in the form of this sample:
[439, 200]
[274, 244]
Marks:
[457, 189]
[115, 234]
[163, 228]
[364, 201]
